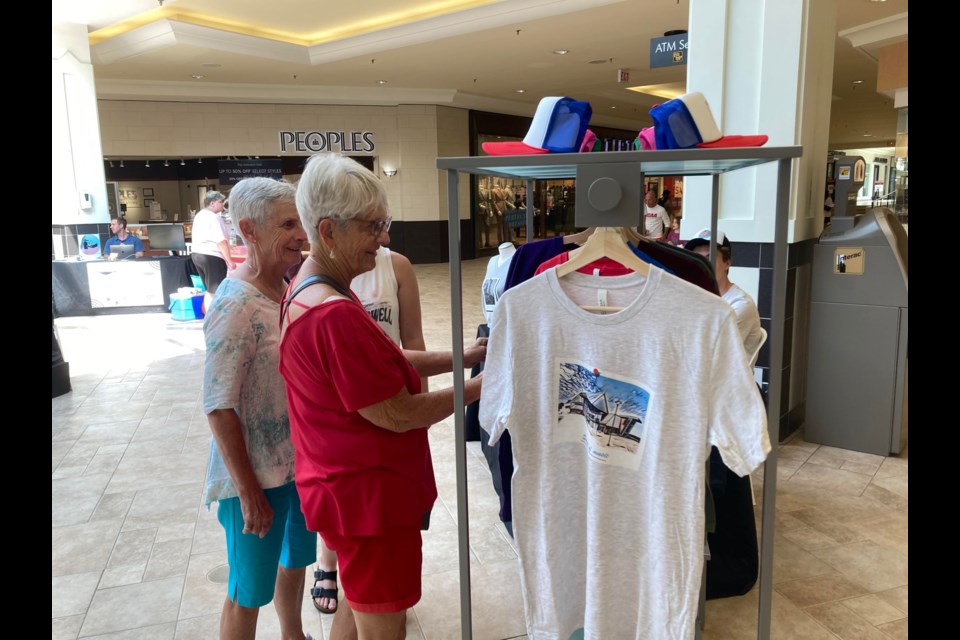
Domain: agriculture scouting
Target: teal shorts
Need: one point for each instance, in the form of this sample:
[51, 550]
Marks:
[253, 560]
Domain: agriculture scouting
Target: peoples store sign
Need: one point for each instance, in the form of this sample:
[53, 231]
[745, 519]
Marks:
[314, 141]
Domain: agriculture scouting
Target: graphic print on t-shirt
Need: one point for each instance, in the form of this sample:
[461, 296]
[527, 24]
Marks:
[602, 410]
[380, 312]
[490, 295]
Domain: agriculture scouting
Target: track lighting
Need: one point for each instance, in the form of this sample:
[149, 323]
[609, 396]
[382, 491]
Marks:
[111, 164]
[121, 164]
[166, 163]
[148, 164]
[182, 163]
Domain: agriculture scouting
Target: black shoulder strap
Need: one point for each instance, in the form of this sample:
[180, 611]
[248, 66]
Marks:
[311, 280]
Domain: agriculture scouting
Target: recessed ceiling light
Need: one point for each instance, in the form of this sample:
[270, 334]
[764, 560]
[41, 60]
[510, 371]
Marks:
[604, 61]
[561, 52]
[210, 65]
[521, 90]
[197, 76]
[381, 82]
[857, 82]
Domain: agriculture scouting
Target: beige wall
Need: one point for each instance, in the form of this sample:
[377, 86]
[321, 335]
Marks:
[409, 137]
[892, 67]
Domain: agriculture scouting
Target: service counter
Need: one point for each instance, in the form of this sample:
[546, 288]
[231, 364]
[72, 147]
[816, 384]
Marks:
[99, 287]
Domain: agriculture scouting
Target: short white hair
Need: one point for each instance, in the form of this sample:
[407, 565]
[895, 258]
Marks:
[335, 186]
[256, 199]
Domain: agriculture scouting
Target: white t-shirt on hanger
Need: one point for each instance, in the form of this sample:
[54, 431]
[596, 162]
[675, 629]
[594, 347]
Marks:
[612, 418]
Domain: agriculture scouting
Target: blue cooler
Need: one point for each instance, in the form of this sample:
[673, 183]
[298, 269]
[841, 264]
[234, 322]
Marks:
[186, 306]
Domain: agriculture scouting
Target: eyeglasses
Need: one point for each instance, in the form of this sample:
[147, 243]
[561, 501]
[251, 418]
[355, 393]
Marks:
[376, 227]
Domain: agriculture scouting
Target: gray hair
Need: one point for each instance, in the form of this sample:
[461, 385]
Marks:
[256, 199]
[211, 196]
[335, 186]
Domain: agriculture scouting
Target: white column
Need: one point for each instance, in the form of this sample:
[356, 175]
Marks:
[765, 66]
[76, 157]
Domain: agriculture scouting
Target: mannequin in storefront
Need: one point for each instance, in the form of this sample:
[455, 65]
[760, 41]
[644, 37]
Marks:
[486, 213]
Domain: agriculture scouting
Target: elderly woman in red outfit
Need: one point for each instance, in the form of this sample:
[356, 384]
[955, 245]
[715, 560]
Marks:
[358, 419]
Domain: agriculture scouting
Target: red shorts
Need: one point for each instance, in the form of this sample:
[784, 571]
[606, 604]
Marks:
[379, 574]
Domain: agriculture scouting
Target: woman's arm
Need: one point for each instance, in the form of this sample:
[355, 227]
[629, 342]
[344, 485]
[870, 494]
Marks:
[224, 247]
[408, 298]
[228, 433]
[404, 412]
[431, 363]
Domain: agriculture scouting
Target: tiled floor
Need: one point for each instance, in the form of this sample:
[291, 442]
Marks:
[135, 556]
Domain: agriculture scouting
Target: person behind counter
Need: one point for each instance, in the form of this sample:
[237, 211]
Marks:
[118, 226]
[211, 245]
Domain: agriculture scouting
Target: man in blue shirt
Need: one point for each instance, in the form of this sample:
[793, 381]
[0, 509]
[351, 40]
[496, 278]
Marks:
[119, 228]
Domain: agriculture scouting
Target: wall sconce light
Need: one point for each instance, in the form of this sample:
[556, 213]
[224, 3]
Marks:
[148, 164]
[389, 172]
[121, 164]
[182, 163]
[166, 163]
[111, 164]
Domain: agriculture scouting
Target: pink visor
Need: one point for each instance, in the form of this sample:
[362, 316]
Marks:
[735, 141]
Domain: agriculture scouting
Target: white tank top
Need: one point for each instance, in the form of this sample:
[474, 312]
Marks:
[377, 290]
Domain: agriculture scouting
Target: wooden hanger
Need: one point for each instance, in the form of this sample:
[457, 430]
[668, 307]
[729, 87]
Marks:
[634, 236]
[580, 237]
[606, 242]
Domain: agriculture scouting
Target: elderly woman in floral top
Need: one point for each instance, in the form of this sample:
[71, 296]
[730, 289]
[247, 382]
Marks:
[250, 473]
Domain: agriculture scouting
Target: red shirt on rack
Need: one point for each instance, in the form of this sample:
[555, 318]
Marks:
[603, 266]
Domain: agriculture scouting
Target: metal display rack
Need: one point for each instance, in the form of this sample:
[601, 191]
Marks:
[610, 183]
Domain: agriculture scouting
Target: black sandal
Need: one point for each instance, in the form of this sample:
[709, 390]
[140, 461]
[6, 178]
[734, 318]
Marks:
[320, 592]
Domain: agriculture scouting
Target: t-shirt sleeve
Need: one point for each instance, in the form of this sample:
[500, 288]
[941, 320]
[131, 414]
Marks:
[364, 365]
[231, 344]
[137, 244]
[738, 419]
[740, 307]
[496, 390]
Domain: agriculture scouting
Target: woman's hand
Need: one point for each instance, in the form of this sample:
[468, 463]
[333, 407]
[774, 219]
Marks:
[475, 353]
[471, 389]
[257, 513]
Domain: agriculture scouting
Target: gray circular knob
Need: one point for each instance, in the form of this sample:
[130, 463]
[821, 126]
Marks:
[604, 194]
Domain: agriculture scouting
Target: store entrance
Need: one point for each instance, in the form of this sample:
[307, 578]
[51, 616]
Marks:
[500, 214]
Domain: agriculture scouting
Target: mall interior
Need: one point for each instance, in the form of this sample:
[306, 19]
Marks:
[156, 103]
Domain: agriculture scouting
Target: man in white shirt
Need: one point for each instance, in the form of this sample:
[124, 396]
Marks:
[748, 317]
[656, 220]
[211, 245]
